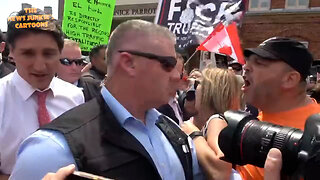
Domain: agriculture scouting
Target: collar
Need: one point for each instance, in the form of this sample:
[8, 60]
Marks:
[121, 113]
[76, 83]
[26, 90]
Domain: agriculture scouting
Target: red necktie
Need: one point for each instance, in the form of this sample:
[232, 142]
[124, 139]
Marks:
[43, 115]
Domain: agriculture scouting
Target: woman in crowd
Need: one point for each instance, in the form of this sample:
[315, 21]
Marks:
[217, 92]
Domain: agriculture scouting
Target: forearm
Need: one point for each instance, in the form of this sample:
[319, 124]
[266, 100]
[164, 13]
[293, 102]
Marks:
[210, 162]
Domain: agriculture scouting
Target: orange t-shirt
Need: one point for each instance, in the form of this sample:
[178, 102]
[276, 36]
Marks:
[293, 118]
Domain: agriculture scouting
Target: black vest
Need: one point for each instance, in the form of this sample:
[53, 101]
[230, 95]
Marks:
[101, 146]
[90, 88]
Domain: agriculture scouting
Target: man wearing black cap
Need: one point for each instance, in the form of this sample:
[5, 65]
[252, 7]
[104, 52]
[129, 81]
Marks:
[235, 66]
[275, 82]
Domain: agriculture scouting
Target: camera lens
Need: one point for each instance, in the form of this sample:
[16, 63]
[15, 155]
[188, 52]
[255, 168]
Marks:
[246, 140]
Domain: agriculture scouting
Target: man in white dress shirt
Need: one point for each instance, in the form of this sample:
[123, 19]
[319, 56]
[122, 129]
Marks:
[36, 51]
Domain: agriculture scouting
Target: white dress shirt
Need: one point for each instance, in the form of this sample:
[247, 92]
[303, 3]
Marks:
[18, 112]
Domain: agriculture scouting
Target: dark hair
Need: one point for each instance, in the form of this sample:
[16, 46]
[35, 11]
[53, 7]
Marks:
[52, 28]
[5, 53]
[95, 50]
[182, 52]
[2, 38]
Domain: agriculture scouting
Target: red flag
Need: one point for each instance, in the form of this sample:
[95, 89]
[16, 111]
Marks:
[224, 40]
[227, 50]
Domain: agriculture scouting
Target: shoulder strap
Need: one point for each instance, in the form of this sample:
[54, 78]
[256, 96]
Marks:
[179, 141]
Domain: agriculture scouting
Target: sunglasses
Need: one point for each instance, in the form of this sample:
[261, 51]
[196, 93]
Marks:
[68, 62]
[168, 62]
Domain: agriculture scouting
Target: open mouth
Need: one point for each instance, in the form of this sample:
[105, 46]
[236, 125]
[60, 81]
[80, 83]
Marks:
[246, 84]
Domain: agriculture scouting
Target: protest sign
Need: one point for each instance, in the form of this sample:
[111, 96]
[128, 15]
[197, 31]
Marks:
[88, 21]
[193, 20]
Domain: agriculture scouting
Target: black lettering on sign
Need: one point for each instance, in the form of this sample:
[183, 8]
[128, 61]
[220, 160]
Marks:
[72, 13]
[74, 26]
[121, 12]
[143, 11]
[83, 28]
[76, 5]
[94, 9]
[92, 37]
[90, 18]
[72, 33]
[70, 18]
[134, 11]
[99, 32]
[97, 2]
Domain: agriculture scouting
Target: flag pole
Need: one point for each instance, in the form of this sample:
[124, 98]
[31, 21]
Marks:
[190, 57]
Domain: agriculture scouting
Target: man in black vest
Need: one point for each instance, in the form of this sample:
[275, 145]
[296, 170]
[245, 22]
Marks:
[119, 134]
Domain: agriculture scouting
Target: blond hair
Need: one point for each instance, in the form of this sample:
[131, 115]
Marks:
[70, 43]
[220, 89]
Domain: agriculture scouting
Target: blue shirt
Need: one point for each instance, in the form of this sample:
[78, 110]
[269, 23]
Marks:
[47, 151]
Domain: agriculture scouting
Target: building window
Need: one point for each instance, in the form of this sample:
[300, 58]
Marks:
[297, 4]
[259, 5]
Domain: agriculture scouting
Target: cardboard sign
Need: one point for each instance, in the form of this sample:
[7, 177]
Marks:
[88, 21]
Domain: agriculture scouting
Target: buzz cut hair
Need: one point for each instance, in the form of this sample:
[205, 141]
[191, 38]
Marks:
[138, 26]
[70, 43]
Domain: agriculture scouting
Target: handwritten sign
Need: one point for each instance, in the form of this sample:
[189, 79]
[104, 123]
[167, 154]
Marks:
[24, 20]
[88, 21]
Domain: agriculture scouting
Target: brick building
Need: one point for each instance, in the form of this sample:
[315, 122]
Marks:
[299, 19]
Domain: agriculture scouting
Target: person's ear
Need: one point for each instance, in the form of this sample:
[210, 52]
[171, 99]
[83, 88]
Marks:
[127, 63]
[291, 79]
[2, 46]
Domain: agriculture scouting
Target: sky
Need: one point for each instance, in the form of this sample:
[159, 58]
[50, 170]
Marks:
[9, 6]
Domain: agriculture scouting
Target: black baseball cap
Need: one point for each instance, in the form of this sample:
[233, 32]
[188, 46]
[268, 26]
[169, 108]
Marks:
[292, 52]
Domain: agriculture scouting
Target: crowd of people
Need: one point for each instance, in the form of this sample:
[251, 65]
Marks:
[134, 112]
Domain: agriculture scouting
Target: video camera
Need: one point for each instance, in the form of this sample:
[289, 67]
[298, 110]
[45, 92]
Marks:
[246, 140]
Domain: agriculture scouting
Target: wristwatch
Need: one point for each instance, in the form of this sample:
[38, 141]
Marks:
[195, 134]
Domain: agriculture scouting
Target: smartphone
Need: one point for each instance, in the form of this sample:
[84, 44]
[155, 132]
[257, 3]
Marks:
[79, 175]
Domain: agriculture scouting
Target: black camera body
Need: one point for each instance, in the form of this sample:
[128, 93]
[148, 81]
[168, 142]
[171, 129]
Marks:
[246, 140]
